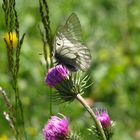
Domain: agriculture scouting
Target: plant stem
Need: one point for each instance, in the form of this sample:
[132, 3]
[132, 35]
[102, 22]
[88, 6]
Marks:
[87, 107]
[50, 102]
[19, 111]
[10, 115]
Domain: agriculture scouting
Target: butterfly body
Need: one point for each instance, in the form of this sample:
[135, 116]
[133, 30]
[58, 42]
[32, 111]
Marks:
[68, 49]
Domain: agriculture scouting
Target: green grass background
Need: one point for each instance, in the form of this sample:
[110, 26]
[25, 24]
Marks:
[111, 30]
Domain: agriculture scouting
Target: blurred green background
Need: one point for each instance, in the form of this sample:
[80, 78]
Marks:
[111, 30]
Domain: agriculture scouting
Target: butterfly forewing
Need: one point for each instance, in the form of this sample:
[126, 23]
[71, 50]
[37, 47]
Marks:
[68, 49]
[73, 27]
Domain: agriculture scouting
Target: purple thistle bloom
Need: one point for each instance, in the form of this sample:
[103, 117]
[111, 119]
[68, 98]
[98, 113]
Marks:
[104, 118]
[56, 129]
[56, 75]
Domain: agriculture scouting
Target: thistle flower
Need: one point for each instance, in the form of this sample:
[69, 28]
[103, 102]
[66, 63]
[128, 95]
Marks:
[11, 39]
[56, 129]
[106, 123]
[67, 84]
[56, 75]
[103, 118]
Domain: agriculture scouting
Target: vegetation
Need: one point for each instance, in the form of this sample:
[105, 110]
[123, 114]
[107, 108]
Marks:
[111, 30]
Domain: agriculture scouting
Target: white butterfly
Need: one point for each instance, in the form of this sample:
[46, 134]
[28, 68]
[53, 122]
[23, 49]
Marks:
[68, 47]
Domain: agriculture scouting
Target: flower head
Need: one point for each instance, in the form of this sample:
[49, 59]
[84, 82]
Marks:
[11, 39]
[103, 118]
[56, 129]
[56, 75]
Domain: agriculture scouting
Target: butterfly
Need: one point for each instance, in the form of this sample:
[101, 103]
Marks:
[68, 47]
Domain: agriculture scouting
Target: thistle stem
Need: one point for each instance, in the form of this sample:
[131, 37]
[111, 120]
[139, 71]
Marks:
[87, 107]
[50, 102]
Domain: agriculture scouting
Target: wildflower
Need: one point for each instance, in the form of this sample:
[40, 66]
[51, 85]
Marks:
[104, 118]
[56, 129]
[107, 124]
[56, 75]
[11, 39]
[3, 137]
[66, 84]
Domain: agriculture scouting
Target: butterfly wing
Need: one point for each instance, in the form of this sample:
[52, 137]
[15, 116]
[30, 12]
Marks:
[68, 49]
[73, 27]
[84, 57]
[65, 52]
